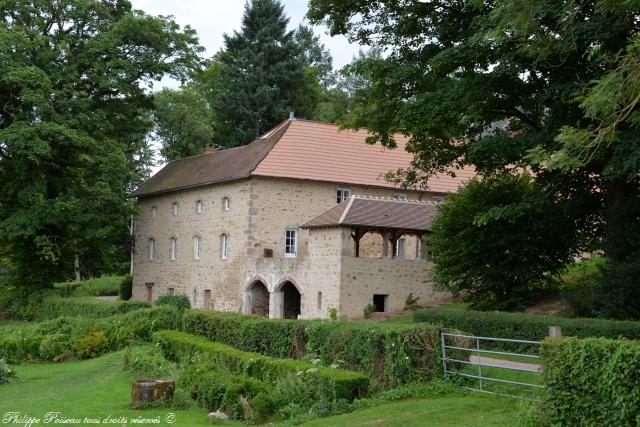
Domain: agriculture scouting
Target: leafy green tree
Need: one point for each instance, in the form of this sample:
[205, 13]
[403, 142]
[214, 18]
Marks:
[315, 55]
[74, 112]
[183, 122]
[263, 75]
[546, 85]
[499, 238]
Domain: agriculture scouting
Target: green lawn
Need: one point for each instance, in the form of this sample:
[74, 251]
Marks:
[78, 389]
[100, 388]
[466, 410]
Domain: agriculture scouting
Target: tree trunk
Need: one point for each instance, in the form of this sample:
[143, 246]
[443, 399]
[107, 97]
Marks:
[76, 267]
[622, 231]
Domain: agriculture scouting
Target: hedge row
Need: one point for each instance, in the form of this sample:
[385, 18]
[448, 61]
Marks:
[79, 337]
[179, 346]
[53, 307]
[591, 382]
[525, 326]
[389, 354]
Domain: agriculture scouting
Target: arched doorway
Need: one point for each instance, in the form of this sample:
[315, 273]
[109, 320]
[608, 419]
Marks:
[258, 299]
[290, 300]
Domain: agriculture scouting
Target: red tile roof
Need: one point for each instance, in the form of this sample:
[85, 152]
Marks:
[298, 149]
[373, 212]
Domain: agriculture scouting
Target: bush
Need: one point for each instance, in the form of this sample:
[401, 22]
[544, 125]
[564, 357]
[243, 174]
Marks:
[53, 307]
[147, 361]
[180, 346]
[215, 390]
[579, 286]
[525, 326]
[97, 286]
[591, 382]
[78, 337]
[391, 354]
[181, 302]
[368, 310]
[6, 374]
[126, 288]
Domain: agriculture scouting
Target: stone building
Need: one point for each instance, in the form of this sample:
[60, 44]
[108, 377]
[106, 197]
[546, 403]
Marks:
[298, 223]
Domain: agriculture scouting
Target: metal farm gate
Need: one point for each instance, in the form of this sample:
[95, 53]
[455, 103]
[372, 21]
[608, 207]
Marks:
[507, 367]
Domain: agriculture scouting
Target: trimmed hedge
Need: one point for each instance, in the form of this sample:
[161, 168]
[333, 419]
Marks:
[591, 382]
[77, 337]
[179, 345]
[95, 286]
[388, 353]
[53, 307]
[525, 326]
[216, 390]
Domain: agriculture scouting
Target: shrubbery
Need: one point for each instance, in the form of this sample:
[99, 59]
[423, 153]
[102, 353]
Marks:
[215, 390]
[126, 288]
[179, 346]
[181, 302]
[53, 307]
[579, 286]
[147, 361]
[78, 337]
[525, 326]
[97, 286]
[591, 382]
[389, 354]
[6, 374]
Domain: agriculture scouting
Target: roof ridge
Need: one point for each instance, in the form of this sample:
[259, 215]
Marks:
[346, 209]
[391, 199]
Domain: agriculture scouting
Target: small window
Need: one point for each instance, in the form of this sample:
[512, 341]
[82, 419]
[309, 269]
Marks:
[199, 206]
[154, 211]
[343, 194]
[224, 246]
[400, 196]
[399, 248]
[174, 208]
[171, 292]
[290, 242]
[194, 301]
[437, 200]
[197, 245]
[152, 249]
[319, 300]
[173, 250]
[226, 204]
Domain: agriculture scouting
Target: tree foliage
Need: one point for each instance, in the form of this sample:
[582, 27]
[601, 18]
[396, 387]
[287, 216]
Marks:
[74, 113]
[550, 86]
[499, 237]
[263, 75]
[183, 122]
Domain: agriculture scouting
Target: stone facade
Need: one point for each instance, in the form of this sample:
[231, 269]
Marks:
[324, 271]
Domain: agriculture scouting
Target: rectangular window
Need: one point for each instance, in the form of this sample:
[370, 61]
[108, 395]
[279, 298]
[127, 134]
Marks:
[290, 243]
[152, 249]
[196, 248]
[319, 300]
[224, 246]
[174, 249]
[343, 194]
[199, 206]
[399, 249]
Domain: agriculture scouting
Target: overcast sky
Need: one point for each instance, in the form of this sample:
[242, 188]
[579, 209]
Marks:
[212, 18]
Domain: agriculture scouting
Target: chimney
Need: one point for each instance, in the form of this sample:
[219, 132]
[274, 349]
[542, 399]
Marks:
[292, 116]
[209, 150]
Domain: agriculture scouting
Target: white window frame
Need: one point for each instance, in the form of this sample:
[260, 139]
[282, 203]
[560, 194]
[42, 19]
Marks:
[400, 196]
[226, 203]
[173, 249]
[174, 208]
[154, 211]
[399, 253]
[199, 206]
[197, 247]
[151, 249]
[342, 194]
[291, 242]
[224, 246]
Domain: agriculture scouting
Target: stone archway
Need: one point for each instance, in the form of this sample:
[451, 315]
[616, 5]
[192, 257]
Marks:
[258, 299]
[290, 299]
